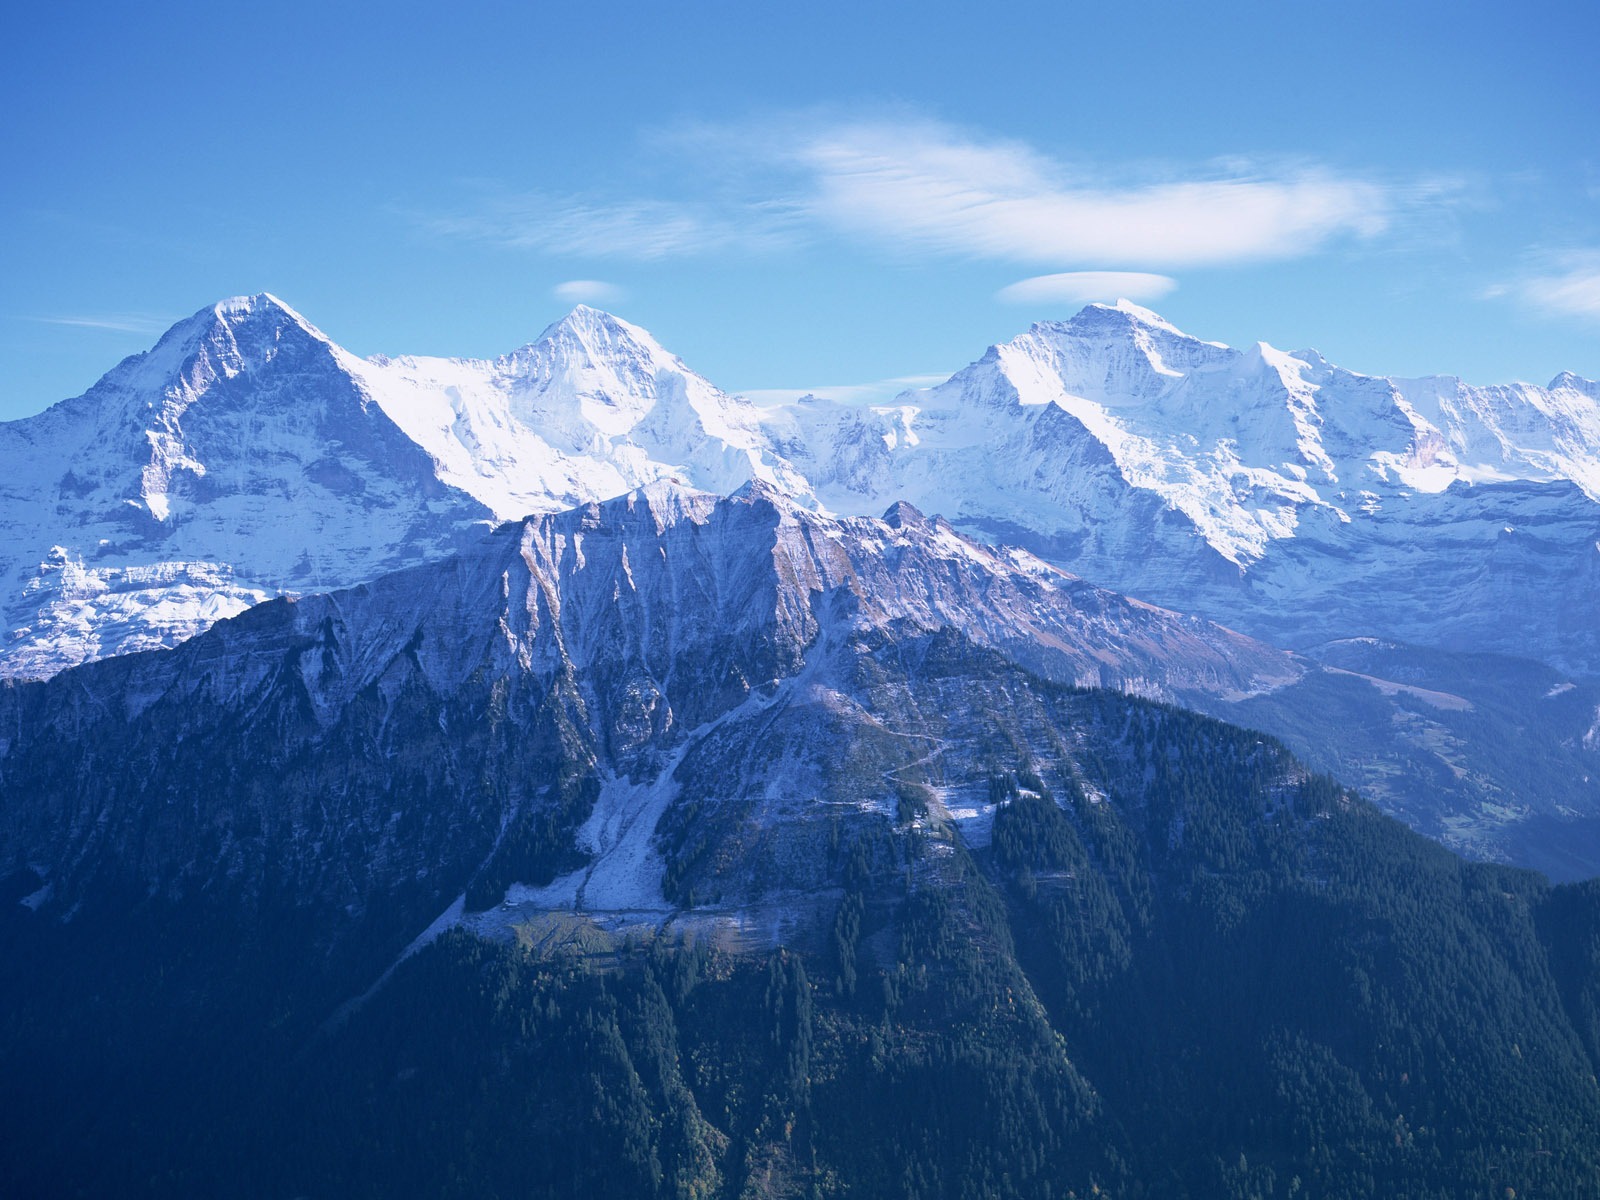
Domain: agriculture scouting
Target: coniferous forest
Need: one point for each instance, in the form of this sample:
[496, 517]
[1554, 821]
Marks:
[1184, 967]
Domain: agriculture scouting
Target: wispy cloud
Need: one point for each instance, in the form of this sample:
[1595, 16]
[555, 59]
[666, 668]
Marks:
[1083, 287]
[638, 230]
[588, 291]
[926, 185]
[115, 322]
[1568, 285]
[876, 391]
[907, 184]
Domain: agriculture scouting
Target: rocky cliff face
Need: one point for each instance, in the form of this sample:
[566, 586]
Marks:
[531, 709]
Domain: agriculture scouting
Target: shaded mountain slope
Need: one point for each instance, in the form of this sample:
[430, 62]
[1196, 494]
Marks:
[1170, 962]
[481, 871]
[415, 728]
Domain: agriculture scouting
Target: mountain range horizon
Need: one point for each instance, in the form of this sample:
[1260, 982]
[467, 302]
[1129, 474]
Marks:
[1059, 440]
[344, 688]
[804, 604]
[1318, 511]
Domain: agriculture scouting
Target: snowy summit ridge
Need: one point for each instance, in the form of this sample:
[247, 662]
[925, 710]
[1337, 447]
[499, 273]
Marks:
[1263, 488]
[247, 455]
[593, 408]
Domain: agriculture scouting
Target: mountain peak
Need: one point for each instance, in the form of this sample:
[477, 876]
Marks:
[1577, 383]
[1144, 316]
[260, 303]
[237, 321]
[1118, 327]
[597, 331]
[584, 316]
[260, 312]
[1124, 314]
[902, 514]
[235, 334]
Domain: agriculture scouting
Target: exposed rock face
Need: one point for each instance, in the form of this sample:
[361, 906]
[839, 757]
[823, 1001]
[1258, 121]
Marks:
[483, 718]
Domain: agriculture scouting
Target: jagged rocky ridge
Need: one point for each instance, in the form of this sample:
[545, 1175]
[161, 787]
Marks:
[458, 722]
[246, 455]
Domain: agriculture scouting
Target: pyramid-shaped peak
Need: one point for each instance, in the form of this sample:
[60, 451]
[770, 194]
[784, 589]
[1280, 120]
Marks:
[238, 333]
[1575, 382]
[240, 318]
[756, 490]
[903, 514]
[670, 501]
[591, 338]
[588, 312]
[1124, 314]
[261, 303]
[666, 502]
[584, 316]
[260, 311]
[595, 328]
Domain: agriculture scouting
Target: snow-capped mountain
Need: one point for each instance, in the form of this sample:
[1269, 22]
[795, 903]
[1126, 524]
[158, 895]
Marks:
[1245, 446]
[235, 460]
[247, 456]
[1274, 491]
[743, 847]
[593, 408]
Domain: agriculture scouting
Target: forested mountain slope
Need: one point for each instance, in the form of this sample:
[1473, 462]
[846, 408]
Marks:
[812, 881]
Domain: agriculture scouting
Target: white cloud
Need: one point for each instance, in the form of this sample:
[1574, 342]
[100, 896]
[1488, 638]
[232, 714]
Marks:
[926, 186]
[588, 291]
[645, 230]
[1567, 285]
[115, 322]
[1084, 287]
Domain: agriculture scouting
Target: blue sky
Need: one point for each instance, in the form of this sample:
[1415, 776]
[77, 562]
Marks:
[806, 196]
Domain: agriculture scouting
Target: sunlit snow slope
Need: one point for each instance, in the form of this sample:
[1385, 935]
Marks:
[1274, 491]
[246, 455]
